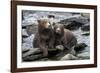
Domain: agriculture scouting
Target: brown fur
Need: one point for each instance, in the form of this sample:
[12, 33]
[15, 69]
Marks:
[64, 37]
[44, 38]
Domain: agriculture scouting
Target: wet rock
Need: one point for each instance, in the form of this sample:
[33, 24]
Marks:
[24, 33]
[73, 52]
[27, 43]
[74, 22]
[29, 39]
[26, 47]
[84, 55]
[79, 47]
[37, 51]
[31, 58]
[85, 28]
[83, 20]
[69, 57]
[31, 29]
[75, 13]
[44, 59]
[69, 19]
[86, 33]
[30, 52]
[51, 16]
[73, 25]
[80, 19]
[60, 47]
[85, 15]
[25, 24]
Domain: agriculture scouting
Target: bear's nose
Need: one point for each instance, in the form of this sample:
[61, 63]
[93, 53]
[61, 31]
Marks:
[58, 29]
[48, 25]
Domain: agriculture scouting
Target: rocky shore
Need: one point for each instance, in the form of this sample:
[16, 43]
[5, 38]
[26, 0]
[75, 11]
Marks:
[78, 23]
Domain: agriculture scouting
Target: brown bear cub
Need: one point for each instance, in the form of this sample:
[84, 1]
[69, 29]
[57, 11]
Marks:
[44, 38]
[64, 37]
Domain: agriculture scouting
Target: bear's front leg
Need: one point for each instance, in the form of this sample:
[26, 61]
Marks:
[73, 52]
[70, 49]
[43, 48]
[51, 44]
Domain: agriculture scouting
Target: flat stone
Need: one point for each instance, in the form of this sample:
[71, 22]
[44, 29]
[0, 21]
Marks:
[84, 55]
[60, 47]
[80, 47]
[85, 27]
[69, 57]
[24, 33]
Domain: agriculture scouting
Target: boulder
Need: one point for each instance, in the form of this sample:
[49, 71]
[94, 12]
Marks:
[24, 33]
[36, 54]
[44, 59]
[76, 18]
[26, 46]
[79, 47]
[69, 57]
[24, 25]
[31, 57]
[84, 55]
[73, 25]
[85, 15]
[86, 33]
[51, 16]
[60, 47]
[85, 28]
[27, 43]
[74, 22]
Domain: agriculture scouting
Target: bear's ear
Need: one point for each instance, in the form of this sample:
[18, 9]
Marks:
[62, 28]
[38, 21]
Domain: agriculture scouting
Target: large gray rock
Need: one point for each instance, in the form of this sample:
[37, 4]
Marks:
[24, 33]
[27, 43]
[84, 55]
[31, 29]
[74, 22]
[77, 18]
[85, 27]
[69, 57]
[73, 25]
[87, 33]
[79, 47]
[85, 15]
[60, 47]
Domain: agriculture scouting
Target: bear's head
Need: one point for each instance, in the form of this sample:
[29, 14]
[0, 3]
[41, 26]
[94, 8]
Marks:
[44, 26]
[44, 23]
[59, 29]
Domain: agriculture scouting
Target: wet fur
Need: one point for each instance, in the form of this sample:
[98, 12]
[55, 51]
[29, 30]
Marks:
[64, 37]
[44, 38]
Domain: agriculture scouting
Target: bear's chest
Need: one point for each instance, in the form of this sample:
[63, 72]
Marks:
[45, 33]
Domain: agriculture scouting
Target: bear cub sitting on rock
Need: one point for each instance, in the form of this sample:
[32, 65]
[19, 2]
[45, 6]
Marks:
[44, 37]
[65, 38]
